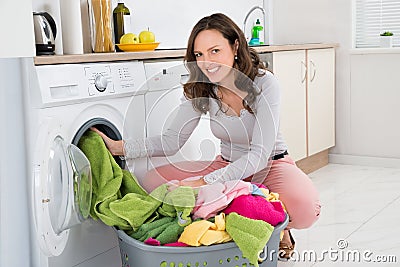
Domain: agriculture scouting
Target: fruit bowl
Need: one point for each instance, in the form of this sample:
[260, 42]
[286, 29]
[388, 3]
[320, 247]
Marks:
[138, 47]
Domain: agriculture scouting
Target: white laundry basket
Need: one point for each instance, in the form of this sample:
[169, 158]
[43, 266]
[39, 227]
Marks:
[138, 254]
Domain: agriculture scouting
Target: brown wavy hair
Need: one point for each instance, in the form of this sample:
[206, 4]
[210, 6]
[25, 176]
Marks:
[199, 88]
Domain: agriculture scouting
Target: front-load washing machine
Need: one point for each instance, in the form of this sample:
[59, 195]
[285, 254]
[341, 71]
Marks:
[126, 100]
[61, 103]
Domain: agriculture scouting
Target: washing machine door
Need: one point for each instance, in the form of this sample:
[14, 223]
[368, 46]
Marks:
[62, 190]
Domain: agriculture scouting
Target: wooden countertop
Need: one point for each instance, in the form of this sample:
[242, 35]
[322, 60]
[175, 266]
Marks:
[159, 54]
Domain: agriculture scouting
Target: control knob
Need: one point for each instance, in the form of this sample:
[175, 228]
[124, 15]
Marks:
[100, 82]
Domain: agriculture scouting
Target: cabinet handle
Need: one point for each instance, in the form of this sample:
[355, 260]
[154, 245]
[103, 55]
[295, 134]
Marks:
[304, 69]
[314, 70]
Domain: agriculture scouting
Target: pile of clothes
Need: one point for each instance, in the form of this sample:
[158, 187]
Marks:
[179, 215]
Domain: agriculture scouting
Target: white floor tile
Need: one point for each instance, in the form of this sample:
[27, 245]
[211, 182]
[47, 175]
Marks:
[380, 234]
[360, 209]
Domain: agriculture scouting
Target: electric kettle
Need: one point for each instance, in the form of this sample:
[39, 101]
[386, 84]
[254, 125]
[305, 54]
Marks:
[45, 33]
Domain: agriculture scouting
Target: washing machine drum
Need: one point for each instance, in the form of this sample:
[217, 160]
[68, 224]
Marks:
[63, 194]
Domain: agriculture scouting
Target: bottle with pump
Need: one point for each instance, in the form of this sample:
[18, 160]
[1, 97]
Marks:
[122, 20]
[255, 33]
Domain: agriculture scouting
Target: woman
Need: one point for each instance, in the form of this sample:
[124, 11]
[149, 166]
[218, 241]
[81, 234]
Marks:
[228, 81]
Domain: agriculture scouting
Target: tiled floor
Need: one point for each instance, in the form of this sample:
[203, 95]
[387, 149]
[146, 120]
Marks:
[360, 219]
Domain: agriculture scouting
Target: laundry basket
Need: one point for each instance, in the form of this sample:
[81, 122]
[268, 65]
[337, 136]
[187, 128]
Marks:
[137, 254]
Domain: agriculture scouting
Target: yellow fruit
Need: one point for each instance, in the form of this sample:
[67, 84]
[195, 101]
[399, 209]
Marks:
[147, 37]
[129, 38]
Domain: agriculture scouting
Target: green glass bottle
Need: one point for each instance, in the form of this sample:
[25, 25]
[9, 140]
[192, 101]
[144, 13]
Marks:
[122, 20]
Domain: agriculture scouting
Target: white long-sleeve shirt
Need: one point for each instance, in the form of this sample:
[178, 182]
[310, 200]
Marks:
[248, 140]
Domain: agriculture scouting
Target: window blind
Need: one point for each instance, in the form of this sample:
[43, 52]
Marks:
[373, 17]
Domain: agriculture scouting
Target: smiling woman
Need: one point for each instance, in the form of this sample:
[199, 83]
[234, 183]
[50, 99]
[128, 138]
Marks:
[217, 47]
[213, 53]
[227, 80]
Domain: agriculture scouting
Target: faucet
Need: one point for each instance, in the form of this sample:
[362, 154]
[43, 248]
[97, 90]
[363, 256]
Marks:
[247, 17]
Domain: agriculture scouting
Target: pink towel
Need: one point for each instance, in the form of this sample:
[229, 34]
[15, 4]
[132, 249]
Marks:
[215, 197]
[153, 242]
[176, 244]
[257, 208]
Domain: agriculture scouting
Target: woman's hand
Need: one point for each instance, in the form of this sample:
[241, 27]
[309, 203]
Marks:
[116, 148]
[193, 181]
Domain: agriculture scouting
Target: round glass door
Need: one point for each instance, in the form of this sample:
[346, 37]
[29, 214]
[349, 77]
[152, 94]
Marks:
[62, 188]
[82, 181]
[69, 186]
[58, 184]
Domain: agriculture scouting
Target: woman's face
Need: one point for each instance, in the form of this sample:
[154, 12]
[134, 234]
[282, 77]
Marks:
[214, 55]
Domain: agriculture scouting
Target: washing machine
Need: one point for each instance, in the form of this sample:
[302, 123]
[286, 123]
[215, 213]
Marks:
[125, 100]
[61, 103]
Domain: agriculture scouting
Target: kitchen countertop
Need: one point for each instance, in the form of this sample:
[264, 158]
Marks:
[160, 54]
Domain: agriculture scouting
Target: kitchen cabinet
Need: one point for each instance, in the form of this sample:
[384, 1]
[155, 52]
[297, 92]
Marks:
[307, 80]
[320, 100]
[290, 69]
[17, 37]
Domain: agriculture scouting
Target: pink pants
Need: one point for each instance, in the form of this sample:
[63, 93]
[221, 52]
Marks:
[295, 188]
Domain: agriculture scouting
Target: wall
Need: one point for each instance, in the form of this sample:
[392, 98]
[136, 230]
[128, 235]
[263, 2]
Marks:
[374, 100]
[321, 21]
[367, 127]
[14, 222]
[16, 30]
[306, 21]
[171, 20]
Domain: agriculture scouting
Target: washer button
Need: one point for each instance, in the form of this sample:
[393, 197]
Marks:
[100, 83]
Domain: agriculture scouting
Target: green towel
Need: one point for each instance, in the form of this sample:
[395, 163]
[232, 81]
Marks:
[179, 202]
[118, 199]
[250, 235]
[171, 233]
[130, 184]
[166, 230]
[110, 184]
[106, 174]
[108, 217]
[146, 228]
[137, 209]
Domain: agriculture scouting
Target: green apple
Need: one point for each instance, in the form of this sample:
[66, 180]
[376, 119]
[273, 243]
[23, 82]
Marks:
[129, 38]
[147, 37]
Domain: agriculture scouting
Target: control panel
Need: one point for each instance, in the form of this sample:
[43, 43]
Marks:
[59, 84]
[165, 75]
[99, 79]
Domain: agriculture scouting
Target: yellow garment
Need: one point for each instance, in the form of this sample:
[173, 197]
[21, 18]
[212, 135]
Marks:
[193, 232]
[272, 197]
[214, 237]
[205, 232]
[219, 222]
[265, 191]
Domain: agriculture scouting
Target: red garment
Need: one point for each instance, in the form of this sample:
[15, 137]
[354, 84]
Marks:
[176, 244]
[151, 241]
[257, 208]
[154, 242]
